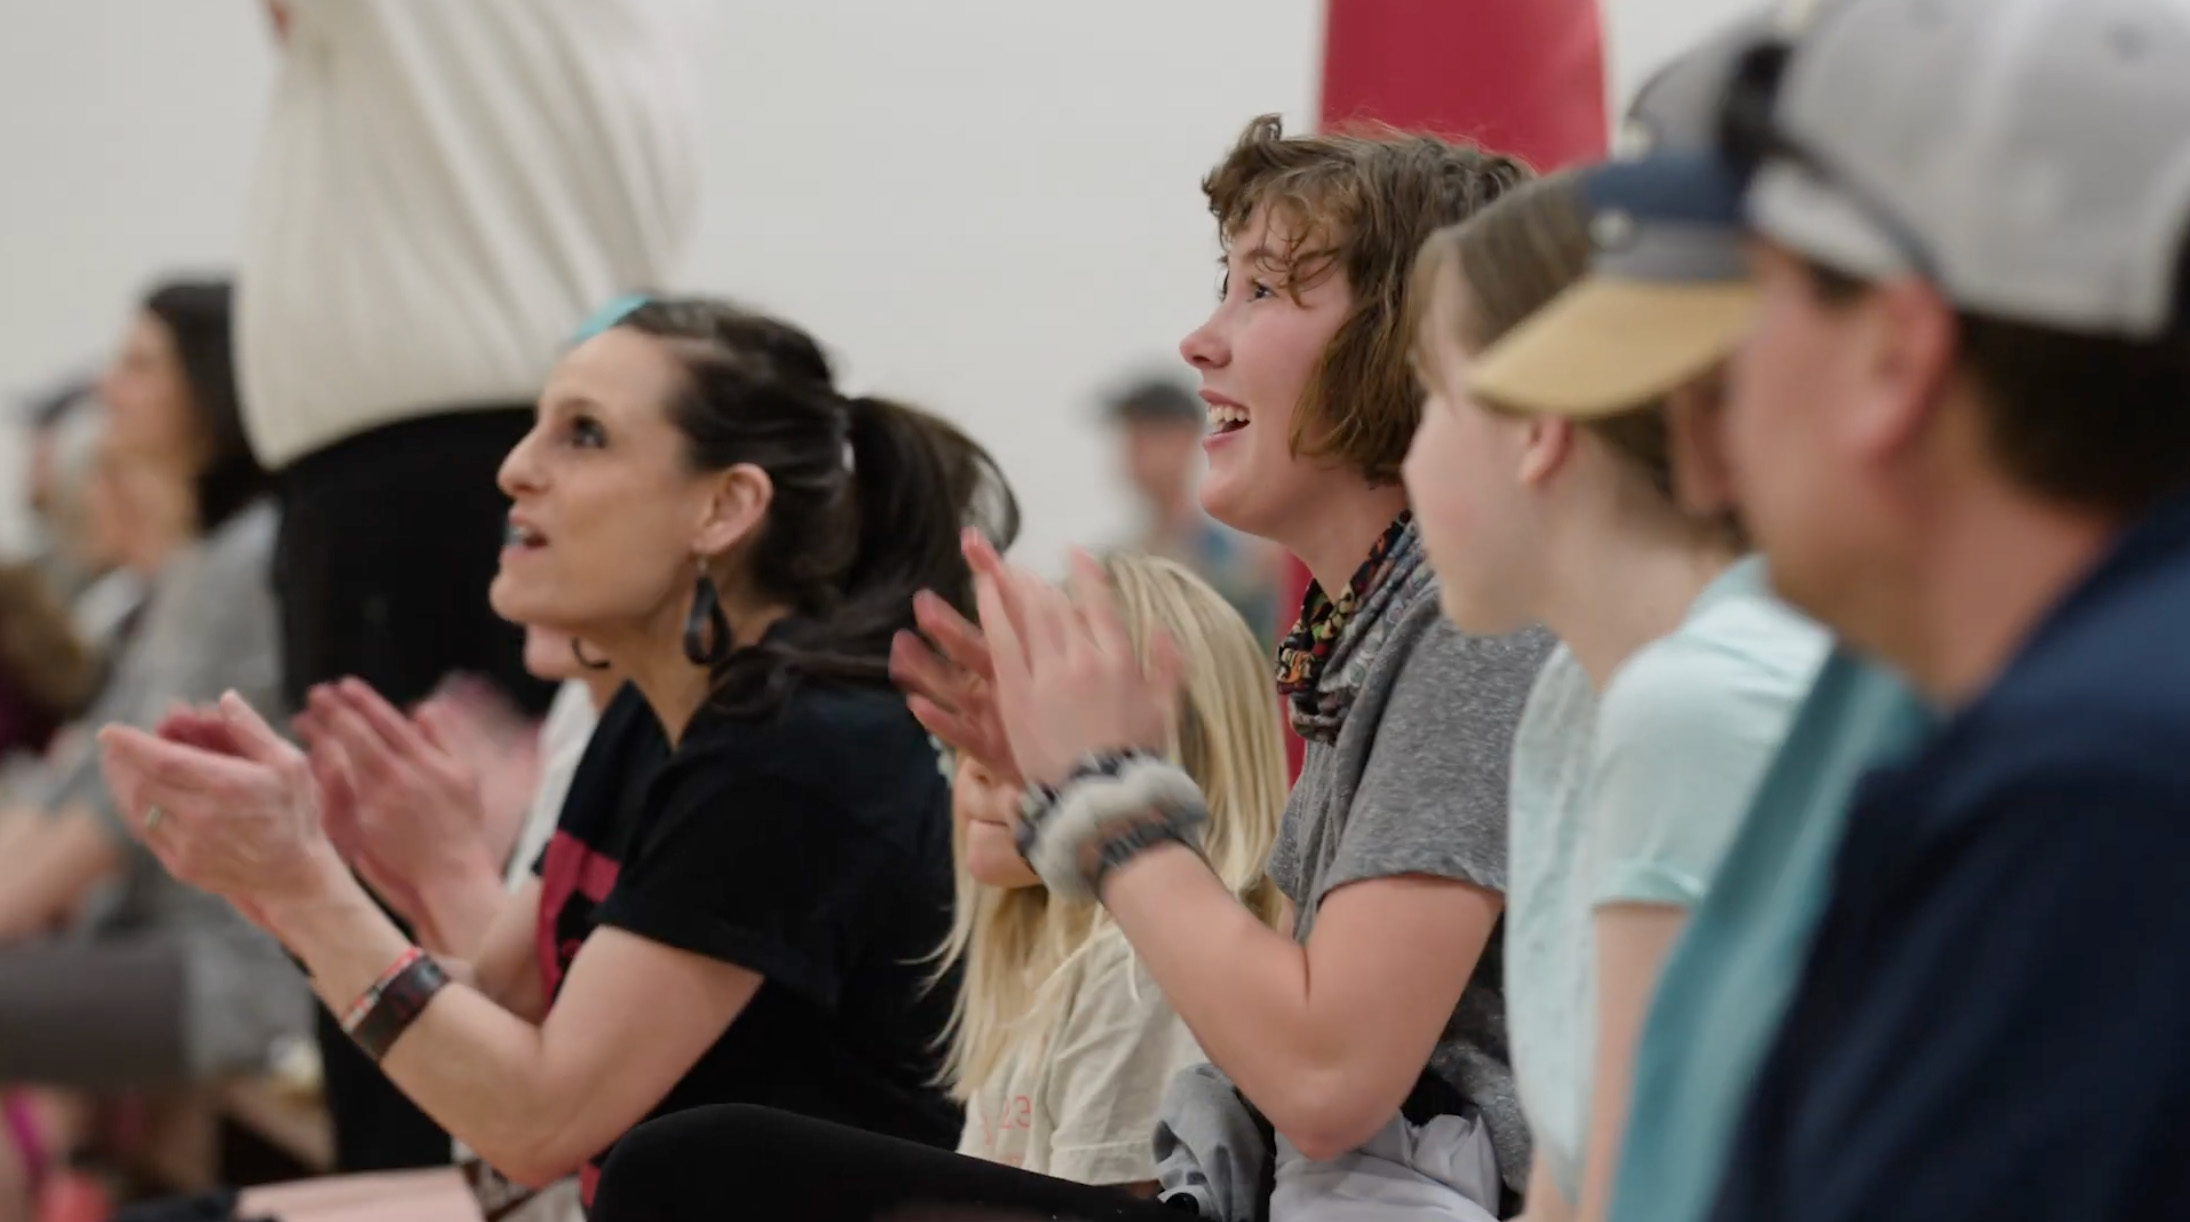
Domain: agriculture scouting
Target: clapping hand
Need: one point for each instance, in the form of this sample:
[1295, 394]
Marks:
[401, 805]
[224, 803]
[949, 680]
[1068, 681]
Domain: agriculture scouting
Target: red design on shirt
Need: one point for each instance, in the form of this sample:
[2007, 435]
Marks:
[570, 870]
[1018, 1114]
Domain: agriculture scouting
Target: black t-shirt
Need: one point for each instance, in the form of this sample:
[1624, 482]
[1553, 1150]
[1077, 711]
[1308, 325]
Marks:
[812, 846]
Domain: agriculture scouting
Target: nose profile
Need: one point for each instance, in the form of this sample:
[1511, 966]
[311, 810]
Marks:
[519, 471]
[1205, 347]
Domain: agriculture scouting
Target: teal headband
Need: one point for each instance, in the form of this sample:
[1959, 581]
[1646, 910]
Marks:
[608, 316]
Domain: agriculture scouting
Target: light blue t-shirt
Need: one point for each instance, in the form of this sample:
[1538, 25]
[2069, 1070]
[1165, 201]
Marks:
[1725, 988]
[1631, 797]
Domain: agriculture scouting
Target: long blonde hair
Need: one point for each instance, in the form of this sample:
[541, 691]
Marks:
[1022, 949]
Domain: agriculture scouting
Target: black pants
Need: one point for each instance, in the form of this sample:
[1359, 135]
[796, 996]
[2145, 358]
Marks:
[388, 542]
[720, 1163]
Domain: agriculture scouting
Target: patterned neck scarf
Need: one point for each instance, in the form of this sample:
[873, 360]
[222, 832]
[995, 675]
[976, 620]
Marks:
[1322, 662]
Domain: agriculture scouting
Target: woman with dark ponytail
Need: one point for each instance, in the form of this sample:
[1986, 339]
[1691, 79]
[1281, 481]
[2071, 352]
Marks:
[755, 856]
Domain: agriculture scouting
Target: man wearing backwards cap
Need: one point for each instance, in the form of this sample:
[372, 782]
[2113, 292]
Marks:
[1961, 431]
[1667, 300]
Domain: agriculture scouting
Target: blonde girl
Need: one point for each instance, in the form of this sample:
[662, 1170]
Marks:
[1061, 1044]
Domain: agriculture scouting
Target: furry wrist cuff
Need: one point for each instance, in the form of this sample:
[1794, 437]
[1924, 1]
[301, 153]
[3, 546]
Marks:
[1112, 808]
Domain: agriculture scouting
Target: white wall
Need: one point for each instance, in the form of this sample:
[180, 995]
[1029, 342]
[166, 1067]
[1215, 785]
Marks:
[126, 132]
[990, 206]
[1640, 35]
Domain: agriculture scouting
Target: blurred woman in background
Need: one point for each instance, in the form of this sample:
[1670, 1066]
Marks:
[112, 973]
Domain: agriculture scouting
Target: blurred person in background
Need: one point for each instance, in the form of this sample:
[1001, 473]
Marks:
[100, 594]
[47, 673]
[48, 669]
[46, 420]
[589, 683]
[112, 973]
[443, 192]
[1160, 424]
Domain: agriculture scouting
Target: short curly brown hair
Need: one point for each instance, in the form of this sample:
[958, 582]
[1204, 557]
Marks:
[1361, 203]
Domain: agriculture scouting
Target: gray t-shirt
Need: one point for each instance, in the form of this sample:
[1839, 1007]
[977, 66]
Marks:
[1416, 783]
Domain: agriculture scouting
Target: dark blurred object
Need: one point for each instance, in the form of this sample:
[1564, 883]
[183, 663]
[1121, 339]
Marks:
[47, 674]
[740, 1161]
[1155, 400]
[211, 1207]
[43, 409]
[977, 1213]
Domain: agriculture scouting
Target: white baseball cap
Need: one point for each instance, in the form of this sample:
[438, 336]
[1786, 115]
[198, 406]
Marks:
[2031, 158]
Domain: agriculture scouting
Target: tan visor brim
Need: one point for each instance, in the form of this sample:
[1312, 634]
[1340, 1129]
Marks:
[1608, 345]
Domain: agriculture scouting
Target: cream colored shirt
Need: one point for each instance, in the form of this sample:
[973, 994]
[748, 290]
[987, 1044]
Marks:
[1084, 1109]
[563, 738]
[445, 190]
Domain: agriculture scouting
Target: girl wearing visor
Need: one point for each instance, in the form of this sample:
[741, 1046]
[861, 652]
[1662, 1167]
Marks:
[1559, 480]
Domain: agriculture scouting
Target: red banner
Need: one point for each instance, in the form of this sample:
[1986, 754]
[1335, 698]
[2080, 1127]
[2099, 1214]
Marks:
[1519, 76]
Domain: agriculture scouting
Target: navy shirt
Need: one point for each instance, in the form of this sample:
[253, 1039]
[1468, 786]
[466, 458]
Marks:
[1995, 1017]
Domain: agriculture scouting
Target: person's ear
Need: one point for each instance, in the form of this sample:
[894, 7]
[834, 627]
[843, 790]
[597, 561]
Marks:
[1695, 417]
[1903, 342]
[734, 508]
[1545, 445]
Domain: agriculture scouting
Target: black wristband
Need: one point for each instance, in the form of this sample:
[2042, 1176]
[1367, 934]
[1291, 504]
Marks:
[400, 1003]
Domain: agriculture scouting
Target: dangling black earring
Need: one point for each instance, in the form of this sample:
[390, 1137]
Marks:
[706, 629]
[578, 651]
